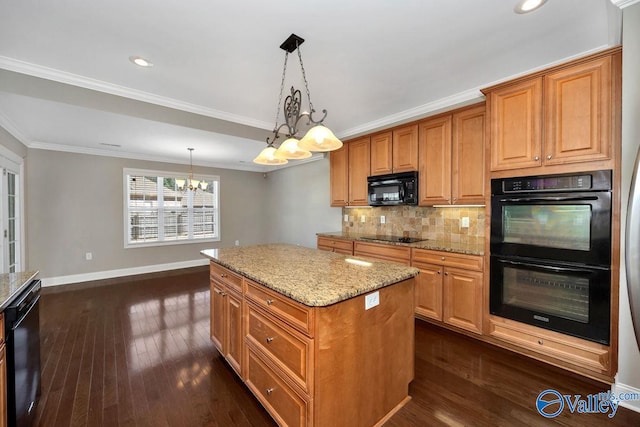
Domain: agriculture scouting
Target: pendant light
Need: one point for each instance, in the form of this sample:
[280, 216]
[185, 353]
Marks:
[190, 183]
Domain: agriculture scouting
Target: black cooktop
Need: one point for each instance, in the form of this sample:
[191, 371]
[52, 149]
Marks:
[398, 239]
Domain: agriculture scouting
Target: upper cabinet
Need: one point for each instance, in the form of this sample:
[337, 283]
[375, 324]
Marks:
[558, 117]
[452, 162]
[395, 151]
[349, 169]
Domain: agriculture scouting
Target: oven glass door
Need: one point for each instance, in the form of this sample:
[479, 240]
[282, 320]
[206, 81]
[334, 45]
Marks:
[565, 227]
[561, 297]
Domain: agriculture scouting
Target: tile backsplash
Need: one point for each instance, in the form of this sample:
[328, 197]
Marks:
[443, 224]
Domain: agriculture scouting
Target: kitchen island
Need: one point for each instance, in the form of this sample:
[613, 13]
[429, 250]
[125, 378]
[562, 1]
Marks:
[319, 338]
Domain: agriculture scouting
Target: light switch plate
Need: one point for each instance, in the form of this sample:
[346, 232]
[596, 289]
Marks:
[362, 218]
[346, 218]
[383, 219]
[371, 300]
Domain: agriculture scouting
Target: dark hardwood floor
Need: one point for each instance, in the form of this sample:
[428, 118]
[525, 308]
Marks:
[138, 354]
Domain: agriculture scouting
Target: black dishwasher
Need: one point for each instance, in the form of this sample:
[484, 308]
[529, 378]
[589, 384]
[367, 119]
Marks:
[22, 332]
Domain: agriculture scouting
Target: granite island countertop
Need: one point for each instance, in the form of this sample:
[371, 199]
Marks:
[309, 276]
[11, 284]
[435, 245]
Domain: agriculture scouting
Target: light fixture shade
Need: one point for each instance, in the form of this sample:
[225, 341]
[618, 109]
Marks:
[320, 138]
[204, 185]
[194, 183]
[289, 149]
[180, 182]
[267, 157]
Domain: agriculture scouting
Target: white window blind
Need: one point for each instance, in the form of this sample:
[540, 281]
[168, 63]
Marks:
[157, 211]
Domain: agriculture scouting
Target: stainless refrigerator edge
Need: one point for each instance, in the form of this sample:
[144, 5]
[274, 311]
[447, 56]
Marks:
[632, 248]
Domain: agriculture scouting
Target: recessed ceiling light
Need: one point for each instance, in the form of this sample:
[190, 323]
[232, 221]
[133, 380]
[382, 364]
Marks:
[140, 61]
[526, 6]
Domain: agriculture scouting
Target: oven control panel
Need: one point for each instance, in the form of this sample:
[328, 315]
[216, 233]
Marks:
[589, 181]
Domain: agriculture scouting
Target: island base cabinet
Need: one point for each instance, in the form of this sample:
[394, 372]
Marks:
[364, 358]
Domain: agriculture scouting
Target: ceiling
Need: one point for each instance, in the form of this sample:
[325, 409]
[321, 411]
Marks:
[66, 82]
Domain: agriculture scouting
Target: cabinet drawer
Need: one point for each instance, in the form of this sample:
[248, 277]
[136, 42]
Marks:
[288, 349]
[335, 245]
[286, 406]
[225, 276]
[400, 254]
[583, 354]
[295, 314]
[448, 259]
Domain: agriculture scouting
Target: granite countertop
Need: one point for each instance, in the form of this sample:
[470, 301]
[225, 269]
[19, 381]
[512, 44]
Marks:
[312, 277]
[12, 283]
[436, 245]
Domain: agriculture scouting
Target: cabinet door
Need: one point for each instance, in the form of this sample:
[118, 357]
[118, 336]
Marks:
[435, 161]
[467, 157]
[405, 149]
[233, 352]
[218, 316]
[339, 176]
[577, 103]
[428, 291]
[462, 291]
[515, 112]
[359, 161]
[381, 154]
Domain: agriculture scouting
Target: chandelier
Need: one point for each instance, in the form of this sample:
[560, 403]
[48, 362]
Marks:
[191, 183]
[318, 138]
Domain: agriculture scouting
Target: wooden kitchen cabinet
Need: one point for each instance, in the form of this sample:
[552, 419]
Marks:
[561, 116]
[348, 172]
[395, 151]
[451, 151]
[226, 314]
[449, 288]
[332, 244]
[399, 254]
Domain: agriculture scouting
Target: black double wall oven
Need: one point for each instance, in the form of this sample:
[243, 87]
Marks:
[551, 252]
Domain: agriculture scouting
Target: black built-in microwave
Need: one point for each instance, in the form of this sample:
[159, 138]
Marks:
[393, 189]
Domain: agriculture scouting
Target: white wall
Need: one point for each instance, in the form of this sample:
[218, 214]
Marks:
[298, 204]
[628, 378]
[75, 205]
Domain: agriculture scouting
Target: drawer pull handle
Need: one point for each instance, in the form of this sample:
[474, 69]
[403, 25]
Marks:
[269, 339]
[218, 291]
[269, 390]
[269, 301]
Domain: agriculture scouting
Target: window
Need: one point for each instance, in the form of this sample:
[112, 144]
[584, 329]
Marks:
[158, 212]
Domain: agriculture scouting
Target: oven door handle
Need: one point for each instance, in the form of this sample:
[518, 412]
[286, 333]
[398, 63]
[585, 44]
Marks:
[546, 267]
[551, 199]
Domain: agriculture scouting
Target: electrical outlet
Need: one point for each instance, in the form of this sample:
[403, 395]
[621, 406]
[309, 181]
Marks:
[371, 300]
[237, 242]
[464, 222]
[362, 218]
[383, 219]
[88, 256]
[346, 218]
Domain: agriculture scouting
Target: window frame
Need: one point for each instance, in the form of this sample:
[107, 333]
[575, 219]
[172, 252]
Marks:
[190, 209]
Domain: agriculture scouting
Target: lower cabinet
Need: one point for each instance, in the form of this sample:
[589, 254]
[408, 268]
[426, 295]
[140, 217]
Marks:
[317, 366]
[226, 316]
[449, 288]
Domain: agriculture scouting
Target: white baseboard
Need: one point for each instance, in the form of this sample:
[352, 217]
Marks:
[109, 274]
[618, 388]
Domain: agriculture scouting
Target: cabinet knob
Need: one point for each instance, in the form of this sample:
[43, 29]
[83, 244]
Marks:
[269, 390]
[540, 342]
[536, 158]
[446, 274]
[438, 272]
[218, 291]
[442, 258]
[269, 339]
[549, 157]
[269, 301]
[455, 198]
[223, 275]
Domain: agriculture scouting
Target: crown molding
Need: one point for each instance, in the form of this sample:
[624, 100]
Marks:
[47, 73]
[247, 167]
[624, 3]
[457, 100]
[9, 126]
